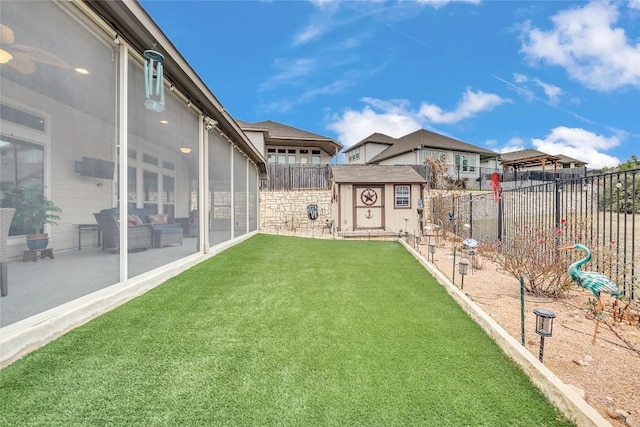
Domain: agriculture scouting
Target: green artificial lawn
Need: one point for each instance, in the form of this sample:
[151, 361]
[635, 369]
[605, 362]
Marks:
[280, 331]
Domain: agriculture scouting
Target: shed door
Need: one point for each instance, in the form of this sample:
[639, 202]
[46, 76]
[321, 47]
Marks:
[369, 207]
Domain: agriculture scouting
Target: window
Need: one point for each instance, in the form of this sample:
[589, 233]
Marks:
[271, 155]
[23, 165]
[22, 118]
[315, 157]
[464, 162]
[168, 165]
[150, 159]
[132, 192]
[168, 196]
[304, 156]
[402, 196]
[150, 191]
[432, 154]
[291, 156]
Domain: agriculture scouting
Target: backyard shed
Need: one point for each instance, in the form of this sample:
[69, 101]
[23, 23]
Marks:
[376, 199]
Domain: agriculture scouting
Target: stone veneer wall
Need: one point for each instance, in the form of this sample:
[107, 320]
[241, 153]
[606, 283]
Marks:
[287, 210]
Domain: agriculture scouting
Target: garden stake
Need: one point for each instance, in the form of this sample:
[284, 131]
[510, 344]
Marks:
[453, 275]
[522, 308]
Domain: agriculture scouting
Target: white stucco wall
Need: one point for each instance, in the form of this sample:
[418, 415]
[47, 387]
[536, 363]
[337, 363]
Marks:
[257, 138]
[410, 158]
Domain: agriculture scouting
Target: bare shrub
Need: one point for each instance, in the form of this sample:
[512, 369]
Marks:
[531, 252]
[439, 173]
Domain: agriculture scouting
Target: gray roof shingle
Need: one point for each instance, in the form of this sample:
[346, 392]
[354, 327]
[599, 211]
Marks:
[376, 174]
[281, 131]
[426, 139]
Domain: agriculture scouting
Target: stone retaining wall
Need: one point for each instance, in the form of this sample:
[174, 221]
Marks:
[287, 210]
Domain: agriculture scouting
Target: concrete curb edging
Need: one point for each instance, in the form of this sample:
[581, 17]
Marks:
[561, 395]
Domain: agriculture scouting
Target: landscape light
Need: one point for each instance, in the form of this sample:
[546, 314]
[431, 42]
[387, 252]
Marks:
[462, 266]
[544, 326]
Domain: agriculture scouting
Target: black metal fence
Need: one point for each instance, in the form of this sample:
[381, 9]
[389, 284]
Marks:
[601, 211]
[511, 179]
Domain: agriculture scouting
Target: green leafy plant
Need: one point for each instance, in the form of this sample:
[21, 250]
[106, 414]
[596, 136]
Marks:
[33, 209]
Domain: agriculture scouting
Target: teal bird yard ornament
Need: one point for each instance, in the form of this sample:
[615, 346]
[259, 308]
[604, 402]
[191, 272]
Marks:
[591, 280]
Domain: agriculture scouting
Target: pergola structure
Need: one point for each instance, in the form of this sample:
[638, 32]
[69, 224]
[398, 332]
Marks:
[539, 159]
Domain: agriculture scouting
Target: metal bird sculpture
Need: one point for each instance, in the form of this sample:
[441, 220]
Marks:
[591, 280]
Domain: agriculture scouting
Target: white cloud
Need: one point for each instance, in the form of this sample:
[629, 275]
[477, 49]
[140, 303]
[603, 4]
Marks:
[520, 78]
[586, 44]
[286, 104]
[552, 92]
[394, 120]
[439, 3]
[471, 104]
[514, 144]
[579, 144]
[634, 4]
[290, 72]
[321, 23]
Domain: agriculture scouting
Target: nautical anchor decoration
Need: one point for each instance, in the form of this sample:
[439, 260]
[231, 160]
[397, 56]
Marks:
[369, 215]
[153, 90]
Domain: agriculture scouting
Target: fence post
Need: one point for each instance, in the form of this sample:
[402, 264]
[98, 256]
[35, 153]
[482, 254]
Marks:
[500, 215]
[471, 215]
[558, 207]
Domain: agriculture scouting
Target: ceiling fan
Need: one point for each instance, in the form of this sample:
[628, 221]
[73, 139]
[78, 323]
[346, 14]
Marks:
[22, 57]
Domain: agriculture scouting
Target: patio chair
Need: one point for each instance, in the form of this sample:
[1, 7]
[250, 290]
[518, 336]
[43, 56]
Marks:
[6, 215]
[139, 236]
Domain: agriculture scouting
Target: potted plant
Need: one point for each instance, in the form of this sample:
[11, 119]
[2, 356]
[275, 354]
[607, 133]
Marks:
[33, 211]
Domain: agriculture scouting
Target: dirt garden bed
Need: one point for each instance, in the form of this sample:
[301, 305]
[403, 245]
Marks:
[608, 371]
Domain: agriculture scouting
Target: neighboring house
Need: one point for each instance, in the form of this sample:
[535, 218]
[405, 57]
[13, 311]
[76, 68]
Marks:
[280, 143]
[537, 160]
[376, 199]
[464, 160]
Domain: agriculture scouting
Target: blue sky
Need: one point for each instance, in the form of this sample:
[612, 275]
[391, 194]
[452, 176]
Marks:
[562, 77]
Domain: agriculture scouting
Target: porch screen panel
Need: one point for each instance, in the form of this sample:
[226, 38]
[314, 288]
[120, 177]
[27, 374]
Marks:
[253, 198]
[165, 164]
[239, 193]
[57, 106]
[220, 189]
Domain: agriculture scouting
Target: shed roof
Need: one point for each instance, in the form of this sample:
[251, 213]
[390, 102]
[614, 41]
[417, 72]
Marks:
[385, 174]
